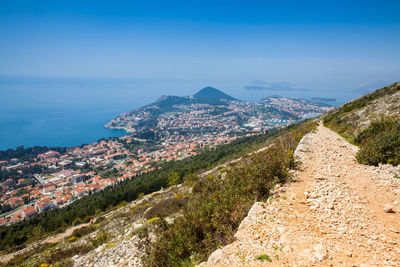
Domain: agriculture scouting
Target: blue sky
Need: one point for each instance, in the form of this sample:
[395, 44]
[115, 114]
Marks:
[323, 45]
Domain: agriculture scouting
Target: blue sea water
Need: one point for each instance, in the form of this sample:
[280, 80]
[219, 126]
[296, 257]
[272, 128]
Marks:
[73, 111]
[54, 127]
[57, 112]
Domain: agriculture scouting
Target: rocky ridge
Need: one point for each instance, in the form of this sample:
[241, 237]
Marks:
[356, 115]
[337, 212]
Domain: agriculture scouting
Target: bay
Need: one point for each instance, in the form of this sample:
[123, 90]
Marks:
[54, 127]
[37, 111]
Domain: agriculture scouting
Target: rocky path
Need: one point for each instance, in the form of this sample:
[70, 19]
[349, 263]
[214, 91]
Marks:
[51, 239]
[338, 212]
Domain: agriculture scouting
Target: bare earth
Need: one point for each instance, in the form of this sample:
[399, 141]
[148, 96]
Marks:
[336, 213]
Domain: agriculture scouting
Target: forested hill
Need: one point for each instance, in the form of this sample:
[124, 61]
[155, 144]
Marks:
[209, 95]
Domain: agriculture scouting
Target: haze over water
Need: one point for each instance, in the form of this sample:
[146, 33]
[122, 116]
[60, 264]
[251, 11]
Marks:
[153, 48]
[68, 112]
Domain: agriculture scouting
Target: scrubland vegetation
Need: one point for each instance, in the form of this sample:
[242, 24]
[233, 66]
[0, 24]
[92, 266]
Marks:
[379, 142]
[18, 235]
[219, 202]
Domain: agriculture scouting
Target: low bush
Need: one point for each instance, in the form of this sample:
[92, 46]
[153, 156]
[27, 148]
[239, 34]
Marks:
[62, 255]
[100, 239]
[165, 208]
[263, 257]
[380, 143]
[84, 231]
[374, 129]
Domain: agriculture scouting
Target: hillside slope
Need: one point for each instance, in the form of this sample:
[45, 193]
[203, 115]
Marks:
[212, 95]
[338, 212]
[355, 116]
[373, 123]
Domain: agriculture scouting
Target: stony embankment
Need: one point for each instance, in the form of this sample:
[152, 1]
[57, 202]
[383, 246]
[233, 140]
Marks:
[130, 235]
[336, 212]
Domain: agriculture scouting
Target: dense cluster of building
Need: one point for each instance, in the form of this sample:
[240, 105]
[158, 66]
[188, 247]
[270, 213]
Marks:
[230, 116]
[78, 172]
[301, 108]
[195, 118]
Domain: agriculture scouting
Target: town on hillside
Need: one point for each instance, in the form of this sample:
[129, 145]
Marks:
[56, 179]
[66, 177]
[212, 111]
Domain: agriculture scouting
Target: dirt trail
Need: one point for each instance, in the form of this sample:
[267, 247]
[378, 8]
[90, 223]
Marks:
[51, 239]
[334, 214]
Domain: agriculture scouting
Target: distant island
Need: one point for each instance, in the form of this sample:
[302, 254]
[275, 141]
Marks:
[323, 99]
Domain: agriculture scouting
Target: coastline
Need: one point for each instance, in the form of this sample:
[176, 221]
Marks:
[73, 141]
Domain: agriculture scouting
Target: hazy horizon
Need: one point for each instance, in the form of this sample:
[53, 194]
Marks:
[321, 45]
[82, 56]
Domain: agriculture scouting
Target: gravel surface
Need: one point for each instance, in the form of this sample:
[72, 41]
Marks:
[337, 212]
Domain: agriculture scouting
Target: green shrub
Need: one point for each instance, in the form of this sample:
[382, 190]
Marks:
[84, 231]
[165, 208]
[100, 239]
[263, 257]
[380, 143]
[372, 131]
[63, 254]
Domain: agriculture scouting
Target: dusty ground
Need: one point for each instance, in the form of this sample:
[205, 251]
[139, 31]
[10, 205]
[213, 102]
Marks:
[334, 214]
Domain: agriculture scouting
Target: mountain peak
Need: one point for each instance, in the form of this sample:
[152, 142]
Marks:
[212, 93]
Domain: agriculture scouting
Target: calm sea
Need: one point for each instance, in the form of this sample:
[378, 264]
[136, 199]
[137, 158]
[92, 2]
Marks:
[68, 112]
[60, 112]
[54, 127]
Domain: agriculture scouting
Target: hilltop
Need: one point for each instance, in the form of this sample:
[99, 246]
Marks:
[209, 95]
[211, 111]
